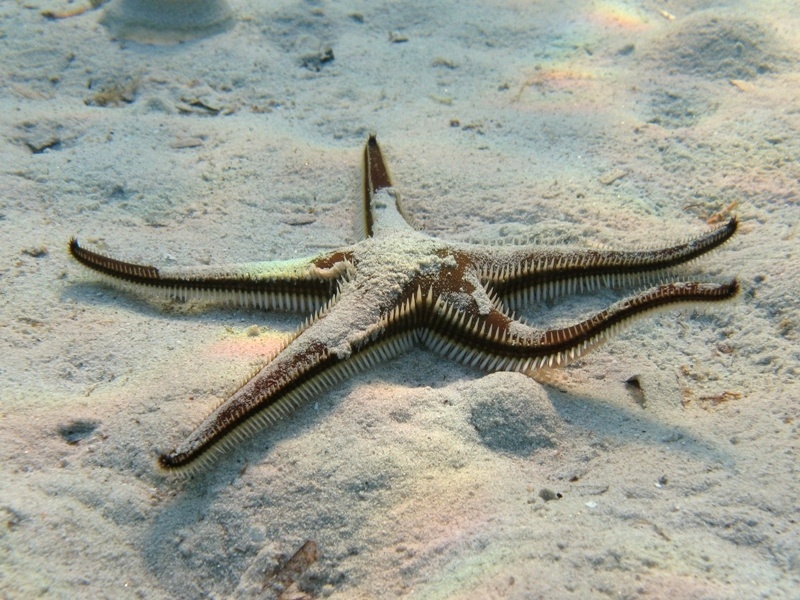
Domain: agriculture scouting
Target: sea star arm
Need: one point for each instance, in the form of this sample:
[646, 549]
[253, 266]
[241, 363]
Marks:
[288, 380]
[530, 273]
[299, 284]
[332, 346]
[492, 340]
[382, 210]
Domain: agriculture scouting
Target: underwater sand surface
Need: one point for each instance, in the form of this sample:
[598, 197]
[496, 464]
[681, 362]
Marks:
[606, 123]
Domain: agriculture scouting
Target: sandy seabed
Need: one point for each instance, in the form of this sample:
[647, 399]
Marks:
[600, 124]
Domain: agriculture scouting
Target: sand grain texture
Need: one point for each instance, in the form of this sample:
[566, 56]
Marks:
[419, 478]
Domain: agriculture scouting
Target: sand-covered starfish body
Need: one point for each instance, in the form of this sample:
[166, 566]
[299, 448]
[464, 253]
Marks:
[399, 287]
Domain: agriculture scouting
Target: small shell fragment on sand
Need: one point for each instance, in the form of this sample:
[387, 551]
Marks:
[741, 85]
[166, 21]
[612, 176]
[290, 571]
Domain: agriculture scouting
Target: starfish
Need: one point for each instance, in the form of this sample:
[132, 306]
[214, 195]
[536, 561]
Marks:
[398, 287]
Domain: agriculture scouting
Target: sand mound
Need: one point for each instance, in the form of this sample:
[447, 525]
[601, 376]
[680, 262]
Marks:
[718, 47]
[514, 416]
